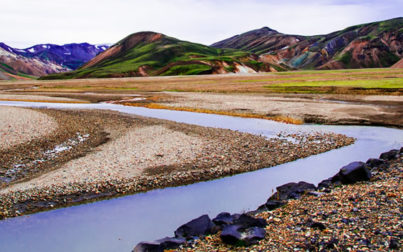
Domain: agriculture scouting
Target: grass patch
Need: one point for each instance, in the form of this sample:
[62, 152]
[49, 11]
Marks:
[378, 83]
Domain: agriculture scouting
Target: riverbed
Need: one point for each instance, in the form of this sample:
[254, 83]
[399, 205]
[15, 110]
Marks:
[118, 224]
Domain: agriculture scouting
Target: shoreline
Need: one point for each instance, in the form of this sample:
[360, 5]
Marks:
[357, 209]
[363, 215]
[228, 153]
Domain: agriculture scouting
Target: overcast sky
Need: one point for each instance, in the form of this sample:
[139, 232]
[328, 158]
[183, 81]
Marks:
[28, 22]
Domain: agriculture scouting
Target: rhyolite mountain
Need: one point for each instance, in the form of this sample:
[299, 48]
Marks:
[377, 44]
[15, 66]
[155, 54]
[70, 56]
[260, 41]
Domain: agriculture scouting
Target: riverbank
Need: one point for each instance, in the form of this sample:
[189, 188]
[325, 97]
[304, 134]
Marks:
[365, 216]
[328, 109]
[110, 154]
[290, 108]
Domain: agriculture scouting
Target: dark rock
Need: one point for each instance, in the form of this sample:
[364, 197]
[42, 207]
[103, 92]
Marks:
[230, 234]
[224, 218]
[394, 244]
[315, 224]
[171, 243]
[292, 190]
[325, 183]
[148, 247]
[236, 235]
[159, 245]
[273, 204]
[331, 244]
[389, 155]
[197, 227]
[246, 221]
[401, 150]
[374, 162]
[354, 172]
[262, 208]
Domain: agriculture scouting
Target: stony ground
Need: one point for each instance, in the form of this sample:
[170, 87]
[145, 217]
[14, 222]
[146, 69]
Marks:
[316, 108]
[18, 125]
[98, 154]
[366, 216]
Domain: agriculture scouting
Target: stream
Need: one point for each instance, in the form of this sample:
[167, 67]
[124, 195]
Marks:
[119, 224]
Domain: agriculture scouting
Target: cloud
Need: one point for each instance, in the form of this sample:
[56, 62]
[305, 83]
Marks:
[27, 22]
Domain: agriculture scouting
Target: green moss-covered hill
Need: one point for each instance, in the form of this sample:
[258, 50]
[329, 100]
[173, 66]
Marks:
[155, 54]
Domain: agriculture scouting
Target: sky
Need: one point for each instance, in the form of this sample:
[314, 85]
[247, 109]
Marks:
[29, 22]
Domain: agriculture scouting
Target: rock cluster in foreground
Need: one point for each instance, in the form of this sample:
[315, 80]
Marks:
[358, 208]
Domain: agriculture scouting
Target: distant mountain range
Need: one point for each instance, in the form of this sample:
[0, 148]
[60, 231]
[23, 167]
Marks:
[378, 44]
[44, 59]
[152, 54]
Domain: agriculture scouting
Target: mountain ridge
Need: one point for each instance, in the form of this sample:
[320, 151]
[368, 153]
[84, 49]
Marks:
[44, 59]
[151, 53]
[375, 44]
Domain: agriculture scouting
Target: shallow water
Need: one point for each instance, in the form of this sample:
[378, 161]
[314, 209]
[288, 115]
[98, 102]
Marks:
[118, 224]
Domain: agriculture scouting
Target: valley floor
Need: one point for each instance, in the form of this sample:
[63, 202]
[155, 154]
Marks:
[88, 155]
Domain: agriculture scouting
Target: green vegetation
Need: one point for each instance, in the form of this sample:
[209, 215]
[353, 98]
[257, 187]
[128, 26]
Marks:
[230, 69]
[164, 56]
[378, 83]
[191, 69]
[319, 72]
[346, 58]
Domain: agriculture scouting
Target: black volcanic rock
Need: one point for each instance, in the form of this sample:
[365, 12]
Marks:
[292, 190]
[159, 245]
[389, 155]
[354, 172]
[236, 235]
[197, 227]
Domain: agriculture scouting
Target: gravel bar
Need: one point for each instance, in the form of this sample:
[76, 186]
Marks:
[140, 154]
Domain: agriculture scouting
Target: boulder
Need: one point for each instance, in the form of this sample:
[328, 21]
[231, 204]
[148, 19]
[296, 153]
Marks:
[292, 190]
[224, 218]
[325, 183]
[246, 221]
[236, 235]
[374, 162]
[389, 155]
[273, 204]
[159, 245]
[195, 228]
[354, 172]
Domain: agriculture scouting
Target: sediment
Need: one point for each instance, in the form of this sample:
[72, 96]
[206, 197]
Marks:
[223, 153]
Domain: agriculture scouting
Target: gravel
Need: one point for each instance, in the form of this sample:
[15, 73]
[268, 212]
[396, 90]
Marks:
[19, 125]
[124, 154]
[366, 216]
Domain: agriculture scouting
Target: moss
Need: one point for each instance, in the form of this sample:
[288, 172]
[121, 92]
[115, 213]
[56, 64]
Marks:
[346, 58]
[192, 69]
[229, 69]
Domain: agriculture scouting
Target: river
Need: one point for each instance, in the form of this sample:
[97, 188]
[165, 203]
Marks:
[119, 224]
